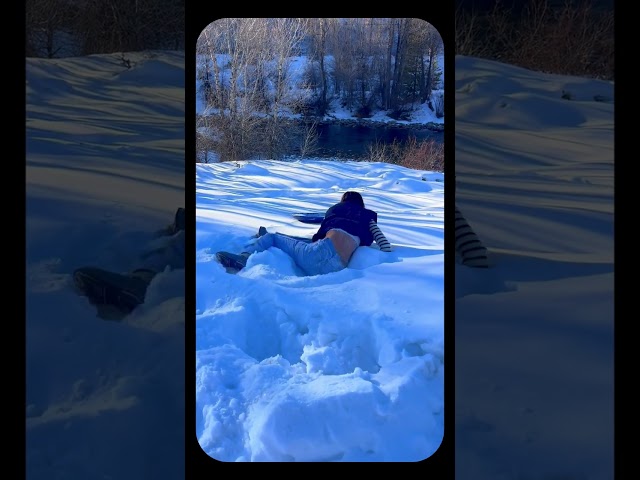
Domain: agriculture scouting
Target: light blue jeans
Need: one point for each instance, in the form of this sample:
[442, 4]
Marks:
[315, 258]
[168, 251]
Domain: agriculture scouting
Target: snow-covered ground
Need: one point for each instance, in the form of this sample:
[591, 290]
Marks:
[105, 171]
[534, 334]
[347, 366]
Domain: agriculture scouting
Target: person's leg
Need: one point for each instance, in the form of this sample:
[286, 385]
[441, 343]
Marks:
[312, 258]
[168, 251]
[263, 231]
[287, 244]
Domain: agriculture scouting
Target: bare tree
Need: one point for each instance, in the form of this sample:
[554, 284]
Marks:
[205, 139]
[387, 74]
[249, 64]
[389, 62]
[309, 140]
[402, 29]
[468, 29]
[571, 38]
[354, 48]
[319, 32]
[107, 26]
[284, 35]
[49, 25]
[206, 47]
[342, 48]
[427, 44]
[228, 43]
[245, 65]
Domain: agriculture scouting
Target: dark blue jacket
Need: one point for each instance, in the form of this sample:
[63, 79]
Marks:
[351, 218]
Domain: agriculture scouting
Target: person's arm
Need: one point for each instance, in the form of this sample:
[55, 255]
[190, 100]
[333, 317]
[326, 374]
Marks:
[379, 237]
[468, 245]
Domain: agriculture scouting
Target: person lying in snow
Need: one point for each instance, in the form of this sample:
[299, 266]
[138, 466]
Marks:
[124, 292]
[346, 226]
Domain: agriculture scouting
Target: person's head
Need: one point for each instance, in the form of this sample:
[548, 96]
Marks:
[352, 197]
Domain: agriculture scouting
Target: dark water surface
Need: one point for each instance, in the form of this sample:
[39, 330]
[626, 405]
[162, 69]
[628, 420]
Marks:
[346, 141]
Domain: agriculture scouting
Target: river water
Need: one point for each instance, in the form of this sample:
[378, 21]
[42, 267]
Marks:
[347, 141]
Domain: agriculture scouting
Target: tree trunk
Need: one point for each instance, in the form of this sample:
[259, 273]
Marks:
[429, 80]
[386, 86]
